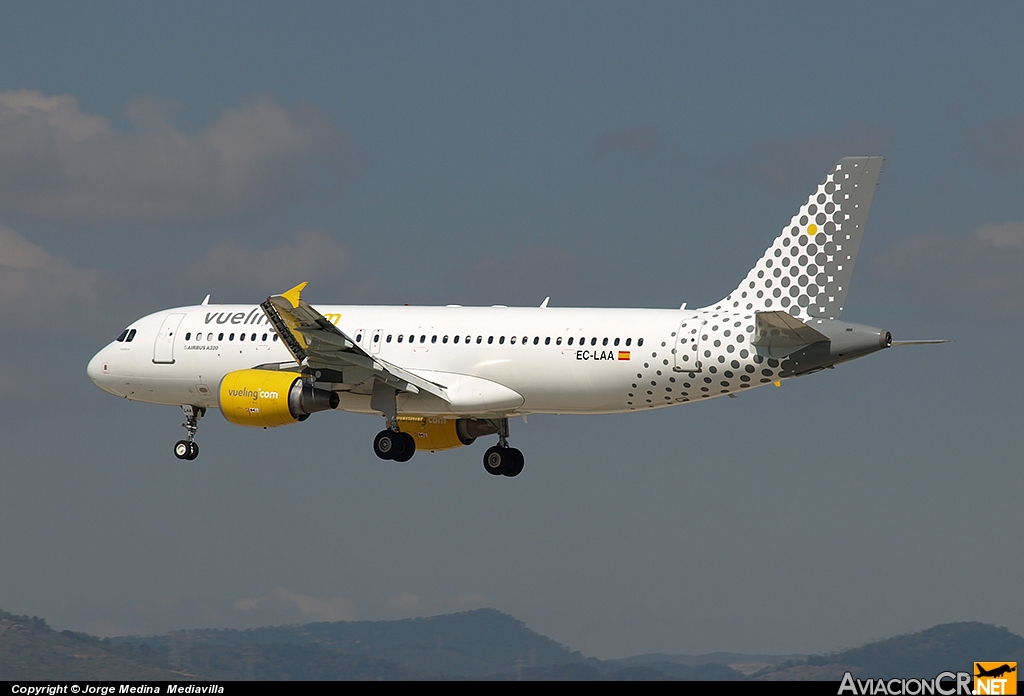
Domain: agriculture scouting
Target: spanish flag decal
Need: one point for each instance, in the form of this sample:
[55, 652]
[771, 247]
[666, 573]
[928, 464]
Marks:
[623, 355]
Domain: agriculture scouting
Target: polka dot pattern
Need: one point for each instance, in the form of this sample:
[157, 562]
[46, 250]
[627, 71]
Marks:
[807, 270]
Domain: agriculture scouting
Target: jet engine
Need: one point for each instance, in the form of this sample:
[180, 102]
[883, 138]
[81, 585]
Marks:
[268, 398]
[435, 433]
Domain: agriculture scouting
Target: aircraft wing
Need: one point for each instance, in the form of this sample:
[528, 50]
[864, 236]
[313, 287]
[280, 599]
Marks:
[315, 342]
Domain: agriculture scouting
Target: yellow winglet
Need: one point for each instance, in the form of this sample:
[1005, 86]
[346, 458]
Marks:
[293, 294]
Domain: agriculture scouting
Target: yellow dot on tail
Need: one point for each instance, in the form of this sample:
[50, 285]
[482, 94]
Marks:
[812, 229]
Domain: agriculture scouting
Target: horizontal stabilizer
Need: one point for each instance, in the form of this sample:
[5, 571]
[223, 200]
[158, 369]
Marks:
[783, 330]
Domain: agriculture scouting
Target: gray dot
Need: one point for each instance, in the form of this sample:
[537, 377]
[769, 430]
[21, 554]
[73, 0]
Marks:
[803, 300]
[821, 279]
[812, 209]
[803, 220]
[802, 280]
[821, 198]
[784, 301]
[794, 291]
[820, 218]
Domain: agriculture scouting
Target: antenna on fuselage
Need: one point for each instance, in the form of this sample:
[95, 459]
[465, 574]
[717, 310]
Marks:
[544, 304]
[206, 301]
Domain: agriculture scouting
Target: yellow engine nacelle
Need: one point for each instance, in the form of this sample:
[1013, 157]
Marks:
[268, 398]
[433, 433]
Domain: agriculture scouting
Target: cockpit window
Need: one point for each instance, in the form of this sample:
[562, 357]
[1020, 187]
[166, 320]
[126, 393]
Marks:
[131, 336]
[124, 335]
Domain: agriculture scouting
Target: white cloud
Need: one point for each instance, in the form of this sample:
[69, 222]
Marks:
[285, 603]
[58, 162]
[41, 292]
[984, 271]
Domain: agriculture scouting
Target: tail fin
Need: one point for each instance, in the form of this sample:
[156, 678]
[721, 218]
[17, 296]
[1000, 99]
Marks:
[807, 270]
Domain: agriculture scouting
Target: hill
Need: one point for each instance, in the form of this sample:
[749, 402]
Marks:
[947, 647]
[30, 649]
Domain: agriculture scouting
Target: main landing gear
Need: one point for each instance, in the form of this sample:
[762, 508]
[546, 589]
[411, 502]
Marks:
[393, 444]
[502, 460]
[188, 449]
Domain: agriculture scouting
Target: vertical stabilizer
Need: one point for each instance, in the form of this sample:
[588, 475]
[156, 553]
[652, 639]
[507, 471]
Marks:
[807, 270]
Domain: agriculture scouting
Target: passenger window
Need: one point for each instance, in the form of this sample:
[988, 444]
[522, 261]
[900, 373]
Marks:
[400, 337]
[547, 341]
[423, 338]
[220, 337]
[628, 341]
[388, 339]
[490, 339]
[264, 338]
[444, 340]
[502, 340]
[536, 340]
[199, 337]
[639, 342]
[593, 341]
[433, 339]
[241, 337]
[456, 339]
[412, 339]
[124, 334]
[616, 341]
[583, 341]
[275, 338]
[558, 341]
[479, 340]
[188, 336]
[359, 338]
[525, 340]
[511, 340]
[253, 337]
[376, 338]
[569, 342]
[604, 342]
[231, 337]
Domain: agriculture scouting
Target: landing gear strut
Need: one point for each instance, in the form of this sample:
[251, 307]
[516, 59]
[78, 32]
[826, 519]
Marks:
[390, 443]
[188, 449]
[502, 460]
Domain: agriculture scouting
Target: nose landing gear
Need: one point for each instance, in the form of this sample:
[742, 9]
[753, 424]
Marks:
[188, 449]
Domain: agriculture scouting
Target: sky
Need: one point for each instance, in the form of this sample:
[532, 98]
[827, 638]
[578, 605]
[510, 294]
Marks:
[602, 154]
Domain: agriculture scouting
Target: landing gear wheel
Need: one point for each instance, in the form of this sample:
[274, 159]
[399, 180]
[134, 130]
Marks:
[193, 451]
[388, 444]
[182, 449]
[410, 448]
[516, 467]
[498, 460]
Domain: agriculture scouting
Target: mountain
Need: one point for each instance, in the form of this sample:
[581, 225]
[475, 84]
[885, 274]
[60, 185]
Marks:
[31, 650]
[950, 647]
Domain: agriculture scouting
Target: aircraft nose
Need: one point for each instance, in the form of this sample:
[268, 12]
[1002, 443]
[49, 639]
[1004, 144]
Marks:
[98, 368]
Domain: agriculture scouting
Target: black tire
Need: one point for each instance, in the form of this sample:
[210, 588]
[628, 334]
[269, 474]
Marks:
[516, 467]
[388, 444]
[497, 460]
[194, 450]
[182, 449]
[410, 448]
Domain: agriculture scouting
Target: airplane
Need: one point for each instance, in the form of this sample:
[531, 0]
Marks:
[444, 376]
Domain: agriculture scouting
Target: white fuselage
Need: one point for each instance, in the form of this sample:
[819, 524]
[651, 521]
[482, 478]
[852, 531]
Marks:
[492, 360]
